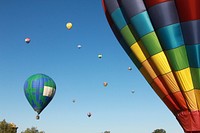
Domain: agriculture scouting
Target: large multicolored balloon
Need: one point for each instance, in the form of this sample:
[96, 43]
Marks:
[39, 90]
[162, 38]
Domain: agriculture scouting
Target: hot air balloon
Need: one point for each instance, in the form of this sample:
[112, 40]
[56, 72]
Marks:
[79, 46]
[162, 38]
[100, 56]
[69, 25]
[39, 90]
[129, 68]
[132, 91]
[89, 114]
[73, 100]
[27, 40]
[105, 84]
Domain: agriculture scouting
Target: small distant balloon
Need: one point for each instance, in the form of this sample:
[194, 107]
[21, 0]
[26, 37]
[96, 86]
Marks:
[89, 114]
[27, 40]
[74, 101]
[79, 46]
[105, 84]
[99, 55]
[69, 25]
[132, 91]
[129, 68]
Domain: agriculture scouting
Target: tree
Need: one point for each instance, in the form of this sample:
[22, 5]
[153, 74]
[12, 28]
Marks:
[107, 132]
[7, 127]
[159, 131]
[32, 130]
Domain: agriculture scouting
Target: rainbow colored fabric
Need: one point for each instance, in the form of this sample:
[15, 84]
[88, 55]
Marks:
[162, 38]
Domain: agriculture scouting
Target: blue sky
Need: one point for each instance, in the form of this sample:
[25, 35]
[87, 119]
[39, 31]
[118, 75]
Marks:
[79, 73]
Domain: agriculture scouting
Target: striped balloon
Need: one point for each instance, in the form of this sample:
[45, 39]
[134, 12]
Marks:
[162, 38]
[39, 90]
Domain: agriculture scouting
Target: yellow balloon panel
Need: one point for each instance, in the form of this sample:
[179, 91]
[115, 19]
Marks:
[160, 62]
[139, 52]
[185, 80]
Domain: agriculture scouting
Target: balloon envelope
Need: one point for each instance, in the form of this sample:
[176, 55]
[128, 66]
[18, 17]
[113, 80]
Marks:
[39, 90]
[105, 84]
[69, 25]
[162, 39]
[27, 40]
[79, 46]
[89, 114]
[99, 55]
[74, 101]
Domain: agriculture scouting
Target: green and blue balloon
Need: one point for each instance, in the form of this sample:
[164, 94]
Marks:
[39, 90]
